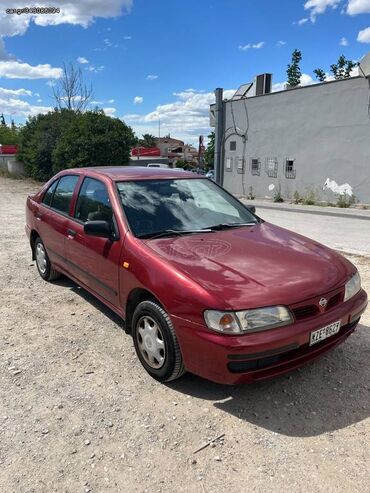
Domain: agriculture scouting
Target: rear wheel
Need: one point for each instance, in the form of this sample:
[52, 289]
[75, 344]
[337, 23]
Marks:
[156, 343]
[44, 266]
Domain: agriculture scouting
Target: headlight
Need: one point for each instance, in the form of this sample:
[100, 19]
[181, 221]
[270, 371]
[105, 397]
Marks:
[248, 320]
[352, 287]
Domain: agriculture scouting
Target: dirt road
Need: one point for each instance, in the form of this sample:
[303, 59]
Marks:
[79, 414]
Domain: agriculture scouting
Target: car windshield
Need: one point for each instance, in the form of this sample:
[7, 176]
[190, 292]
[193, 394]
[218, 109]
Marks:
[176, 206]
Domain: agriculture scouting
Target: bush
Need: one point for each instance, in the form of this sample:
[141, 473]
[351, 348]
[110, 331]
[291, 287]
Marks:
[64, 139]
[93, 139]
[309, 198]
[345, 201]
[277, 195]
[251, 195]
[37, 141]
[297, 198]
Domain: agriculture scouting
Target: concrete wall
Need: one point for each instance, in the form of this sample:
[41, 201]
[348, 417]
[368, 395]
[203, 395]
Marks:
[8, 162]
[324, 128]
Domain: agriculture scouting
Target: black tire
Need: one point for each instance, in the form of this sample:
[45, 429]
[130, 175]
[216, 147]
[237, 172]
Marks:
[49, 274]
[173, 365]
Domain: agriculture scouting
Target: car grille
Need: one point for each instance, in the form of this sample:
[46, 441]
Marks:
[310, 310]
[293, 355]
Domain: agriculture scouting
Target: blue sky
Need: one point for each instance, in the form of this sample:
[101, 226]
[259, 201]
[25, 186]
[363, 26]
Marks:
[151, 59]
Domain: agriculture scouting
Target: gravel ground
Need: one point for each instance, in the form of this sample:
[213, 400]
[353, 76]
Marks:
[79, 414]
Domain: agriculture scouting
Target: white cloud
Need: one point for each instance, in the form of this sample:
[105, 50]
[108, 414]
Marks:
[249, 45]
[319, 7]
[138, 99]
[364, 36]
[127, 37]
[92, 68]
[82, 60]
[80, 13]
[343, 42]
[302, 21]
[185, 118]
[355, 7]
[17, 107]
[306, 80]
[151, 77]
[14, 92]
[244, 47]
[109, 111]
[109, 43]
[110, 101]
[12, 69]
[281, 43]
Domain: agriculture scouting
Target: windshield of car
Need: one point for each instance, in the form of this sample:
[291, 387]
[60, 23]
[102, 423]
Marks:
[153, 207]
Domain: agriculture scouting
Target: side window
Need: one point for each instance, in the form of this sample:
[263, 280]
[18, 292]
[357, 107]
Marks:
[93, 202]
[49, 193]
[62, 197]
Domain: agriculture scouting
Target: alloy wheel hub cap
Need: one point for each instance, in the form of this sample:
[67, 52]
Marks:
[151, 342]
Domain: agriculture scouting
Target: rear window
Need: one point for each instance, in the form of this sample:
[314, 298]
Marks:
[49, 193]
[63, 193]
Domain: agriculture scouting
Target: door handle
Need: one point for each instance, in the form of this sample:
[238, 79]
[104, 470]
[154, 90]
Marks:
[71, 232]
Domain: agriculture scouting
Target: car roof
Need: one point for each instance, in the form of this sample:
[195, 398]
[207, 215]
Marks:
[122, 173]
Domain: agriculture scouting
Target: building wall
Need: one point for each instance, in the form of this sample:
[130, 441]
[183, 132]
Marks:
[324, 128]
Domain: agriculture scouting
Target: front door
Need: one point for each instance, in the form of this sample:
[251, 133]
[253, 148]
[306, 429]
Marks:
[94, 261]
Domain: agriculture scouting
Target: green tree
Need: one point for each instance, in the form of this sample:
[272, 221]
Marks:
[342, 69]
[320, 74]
[93, 139]
[9, 135]
[37, 141]
[148, 140]
[209, 153]
[293, 71]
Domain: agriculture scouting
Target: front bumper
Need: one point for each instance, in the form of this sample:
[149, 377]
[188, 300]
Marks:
[250, 357]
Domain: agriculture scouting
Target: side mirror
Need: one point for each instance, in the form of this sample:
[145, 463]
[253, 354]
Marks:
[251, 208]
[101, 229]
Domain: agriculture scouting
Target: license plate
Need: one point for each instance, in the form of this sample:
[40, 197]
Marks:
[321, 334]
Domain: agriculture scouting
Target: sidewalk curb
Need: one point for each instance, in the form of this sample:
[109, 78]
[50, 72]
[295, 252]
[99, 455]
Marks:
[347, 215]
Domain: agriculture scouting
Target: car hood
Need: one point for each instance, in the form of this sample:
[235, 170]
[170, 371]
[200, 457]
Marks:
[255, 266]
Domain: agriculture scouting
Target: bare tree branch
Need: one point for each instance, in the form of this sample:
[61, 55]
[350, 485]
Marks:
[70, 91]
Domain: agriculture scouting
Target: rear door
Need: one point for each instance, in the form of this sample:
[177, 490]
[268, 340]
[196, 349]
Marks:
[52, 217]
[95, 261]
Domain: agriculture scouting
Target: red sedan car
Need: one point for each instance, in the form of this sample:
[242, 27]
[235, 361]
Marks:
[202, 283]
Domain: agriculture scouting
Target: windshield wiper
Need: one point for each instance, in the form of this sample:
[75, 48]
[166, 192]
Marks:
[173, 232]
[218, 227]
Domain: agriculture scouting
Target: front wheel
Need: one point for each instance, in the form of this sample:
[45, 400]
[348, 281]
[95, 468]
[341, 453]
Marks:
[156, 343]
[44, 266]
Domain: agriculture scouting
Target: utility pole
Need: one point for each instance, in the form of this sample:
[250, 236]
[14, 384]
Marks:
[219, 132]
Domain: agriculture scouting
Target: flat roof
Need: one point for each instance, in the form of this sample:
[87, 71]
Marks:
[292, 89]
[123, 173]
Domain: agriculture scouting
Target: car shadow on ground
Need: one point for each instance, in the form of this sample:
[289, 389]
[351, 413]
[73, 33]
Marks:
[328, 394]
[75, 288]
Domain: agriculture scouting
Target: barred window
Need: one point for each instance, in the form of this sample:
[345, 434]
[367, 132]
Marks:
[255, 166]
[229, 164]
[240, 164]
[290, 171]
[272, 167]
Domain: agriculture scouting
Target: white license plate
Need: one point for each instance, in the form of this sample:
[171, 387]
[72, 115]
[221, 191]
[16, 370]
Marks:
[321, 334]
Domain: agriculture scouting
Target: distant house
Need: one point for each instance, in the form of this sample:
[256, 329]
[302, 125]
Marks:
[175, 150]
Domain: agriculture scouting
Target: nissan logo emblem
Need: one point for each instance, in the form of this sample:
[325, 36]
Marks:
[323, 302]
